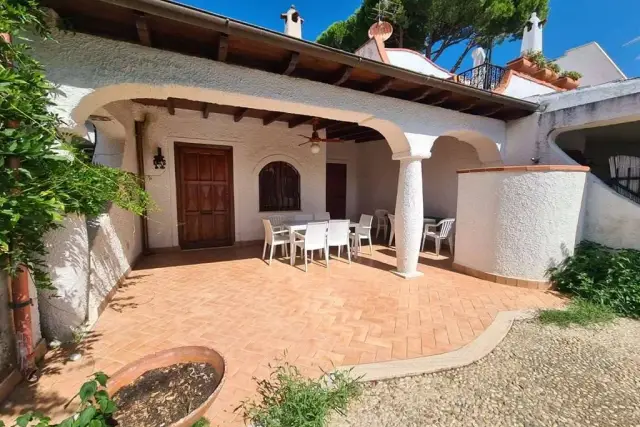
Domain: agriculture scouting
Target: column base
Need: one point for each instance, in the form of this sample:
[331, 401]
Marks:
[413, 275]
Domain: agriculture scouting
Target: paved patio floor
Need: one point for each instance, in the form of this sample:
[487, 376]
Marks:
[231, 300]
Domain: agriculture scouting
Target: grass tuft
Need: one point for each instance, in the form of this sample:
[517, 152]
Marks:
[579, 312]
[202, 422]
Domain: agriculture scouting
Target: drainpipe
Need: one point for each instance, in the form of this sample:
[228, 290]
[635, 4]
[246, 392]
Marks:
[20, 301]
[21, 305]
[139, 133]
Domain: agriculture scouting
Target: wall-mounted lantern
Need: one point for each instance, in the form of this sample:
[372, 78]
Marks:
[158, 160]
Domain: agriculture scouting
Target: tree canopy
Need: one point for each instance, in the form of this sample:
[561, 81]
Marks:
[433, 26]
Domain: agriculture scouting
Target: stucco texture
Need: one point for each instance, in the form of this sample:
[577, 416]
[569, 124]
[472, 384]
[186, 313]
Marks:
[518, 224]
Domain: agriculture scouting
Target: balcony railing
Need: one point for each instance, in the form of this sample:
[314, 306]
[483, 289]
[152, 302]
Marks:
[485, 76]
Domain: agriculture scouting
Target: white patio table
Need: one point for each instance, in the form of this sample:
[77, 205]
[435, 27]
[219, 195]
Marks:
[292, 226]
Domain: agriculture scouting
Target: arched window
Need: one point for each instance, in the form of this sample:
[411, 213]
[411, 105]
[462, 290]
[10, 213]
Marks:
[279, 184]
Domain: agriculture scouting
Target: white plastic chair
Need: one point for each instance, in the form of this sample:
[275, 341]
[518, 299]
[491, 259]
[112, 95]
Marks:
[303, 217]
[392, 227]
[274, 238]
[381, 221]
[321, 216]
[314, 238]
[277, 221]
[338, 236]
[363, 231]
[445, 226]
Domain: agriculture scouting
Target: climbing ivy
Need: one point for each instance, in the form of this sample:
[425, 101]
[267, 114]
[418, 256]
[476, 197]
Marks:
[55, 177]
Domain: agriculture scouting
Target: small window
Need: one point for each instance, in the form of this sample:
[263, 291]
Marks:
[279, 184]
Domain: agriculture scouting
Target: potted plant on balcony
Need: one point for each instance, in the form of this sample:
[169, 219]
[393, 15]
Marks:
[549, 73]
[529, 63]
[568, 80]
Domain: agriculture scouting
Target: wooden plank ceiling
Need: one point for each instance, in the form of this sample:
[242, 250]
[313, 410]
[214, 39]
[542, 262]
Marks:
[345, 131]
[170, 26]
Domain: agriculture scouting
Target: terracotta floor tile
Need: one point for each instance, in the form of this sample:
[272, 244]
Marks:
[254, 313]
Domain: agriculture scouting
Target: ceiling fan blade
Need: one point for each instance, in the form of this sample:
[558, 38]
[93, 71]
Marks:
[333, 140]
[304, 136]
[304, 143]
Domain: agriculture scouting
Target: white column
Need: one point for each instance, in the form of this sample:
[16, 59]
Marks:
[409, 217]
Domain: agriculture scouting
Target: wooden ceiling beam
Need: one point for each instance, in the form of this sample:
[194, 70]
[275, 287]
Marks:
[491, 112]
[271, 117]
[144, 35]
[223, 47]
[467, 107]
[425, 93]
[239, 114]
[342, 76]
[359, 132]
[299, 121]
[171, 108]
[440, 99]
[382, 85]
[293, 62]
[372, 137]
[324, 124]
[206, 109]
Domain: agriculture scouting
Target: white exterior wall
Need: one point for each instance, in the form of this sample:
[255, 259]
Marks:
[592, 62]
[377, 177]
[254, 146]
[414, 61]
[440, 177]
[519, 87]
[518, 224]
[611, 219]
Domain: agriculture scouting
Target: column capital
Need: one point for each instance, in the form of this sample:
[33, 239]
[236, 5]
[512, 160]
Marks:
[408, 155]
[419, 147]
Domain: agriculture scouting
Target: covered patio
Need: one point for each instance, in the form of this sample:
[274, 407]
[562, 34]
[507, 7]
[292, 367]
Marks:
[231, 300]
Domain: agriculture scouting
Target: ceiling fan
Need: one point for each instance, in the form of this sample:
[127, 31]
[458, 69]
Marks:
[314, 139]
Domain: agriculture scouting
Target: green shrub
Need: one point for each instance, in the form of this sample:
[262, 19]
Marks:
[537, 57]
[603, 276]
[579, 312]
[553, 67]
[287, 399]
[574, 75]
[202, 422]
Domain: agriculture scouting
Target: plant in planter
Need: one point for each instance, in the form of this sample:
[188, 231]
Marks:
[287, 399]
[96, 408]
[528, 63]
[568, 80]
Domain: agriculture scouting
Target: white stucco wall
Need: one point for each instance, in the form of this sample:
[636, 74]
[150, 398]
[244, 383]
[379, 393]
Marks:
[254, 146]
[440, 177]
[414, 61]
[611, 219]
[68, 263]
[519, 87]
[91, 72]
[518, 224]
[377, 177]
[592, 62]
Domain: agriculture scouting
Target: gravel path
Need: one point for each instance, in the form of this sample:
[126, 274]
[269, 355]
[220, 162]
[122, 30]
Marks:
[538, 376]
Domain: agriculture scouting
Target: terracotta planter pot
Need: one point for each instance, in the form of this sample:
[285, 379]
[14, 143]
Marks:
[161, 359]
[567, 83]
[523, 65]
[546, 75]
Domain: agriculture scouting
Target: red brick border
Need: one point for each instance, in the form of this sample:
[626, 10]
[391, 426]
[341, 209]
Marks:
[503, 280]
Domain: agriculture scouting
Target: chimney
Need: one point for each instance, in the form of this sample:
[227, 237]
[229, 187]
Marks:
[292, 22]
[532, 39]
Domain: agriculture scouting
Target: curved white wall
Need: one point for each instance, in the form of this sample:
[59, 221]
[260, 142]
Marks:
[415, 62]
[520, 87]
[517, 223]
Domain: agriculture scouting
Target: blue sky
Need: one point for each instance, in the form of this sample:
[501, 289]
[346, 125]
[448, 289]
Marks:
[571, 23]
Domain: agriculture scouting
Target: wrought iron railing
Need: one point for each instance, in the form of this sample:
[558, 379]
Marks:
[486, 76]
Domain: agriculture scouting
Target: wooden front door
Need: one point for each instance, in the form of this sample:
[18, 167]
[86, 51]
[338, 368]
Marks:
[204, 175]
[337, 190]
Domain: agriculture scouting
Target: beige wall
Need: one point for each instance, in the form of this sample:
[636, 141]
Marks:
[254, 146]
[440, 178]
